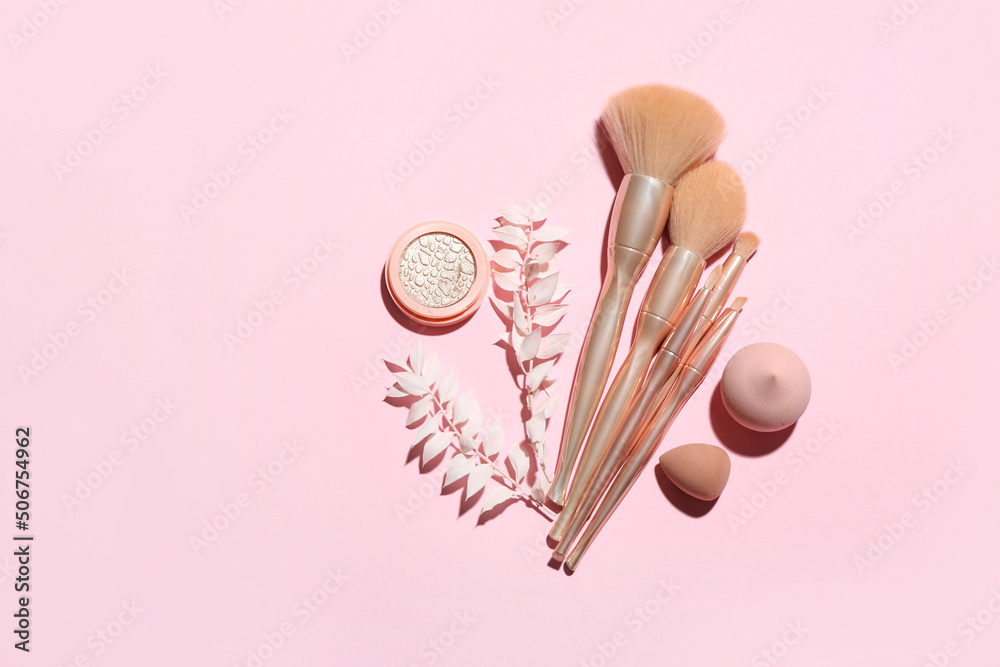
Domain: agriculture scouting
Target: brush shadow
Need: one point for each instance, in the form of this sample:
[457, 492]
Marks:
[486, 517]
[615, 174]
[738, 438]
[690, 505]
[412, 325]
[720, 255]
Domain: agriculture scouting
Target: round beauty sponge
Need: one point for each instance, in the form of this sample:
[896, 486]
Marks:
[697, 469]
[766, 387]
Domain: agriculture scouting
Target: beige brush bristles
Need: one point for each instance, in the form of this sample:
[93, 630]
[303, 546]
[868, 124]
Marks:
[738, 303]
[746, 245]
[709, 208]
[661, 131]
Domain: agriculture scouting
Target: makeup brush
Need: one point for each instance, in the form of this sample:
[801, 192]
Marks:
[708, 211]
[729, 272]
[653, 390]
[689, 378]
[658, 132]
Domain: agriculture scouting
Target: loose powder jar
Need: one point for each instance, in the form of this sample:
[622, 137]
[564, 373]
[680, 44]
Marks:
[437, 273]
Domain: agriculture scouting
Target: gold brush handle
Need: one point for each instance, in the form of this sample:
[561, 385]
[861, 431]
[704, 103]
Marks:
[623, 390]
[637, 222]
[627, 418]
[638, 459]
[596, 358]
[689, 378]
[672, 286]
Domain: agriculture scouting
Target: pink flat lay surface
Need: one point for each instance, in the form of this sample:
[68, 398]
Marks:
[197, 201]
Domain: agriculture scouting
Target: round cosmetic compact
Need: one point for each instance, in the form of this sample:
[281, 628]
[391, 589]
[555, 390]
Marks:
[437, 273]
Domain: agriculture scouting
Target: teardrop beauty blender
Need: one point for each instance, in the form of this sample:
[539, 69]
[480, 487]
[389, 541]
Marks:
[766, 387]
[697, 469]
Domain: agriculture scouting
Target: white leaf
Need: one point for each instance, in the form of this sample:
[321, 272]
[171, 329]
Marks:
[417, 357]
[535, 428]
[419, 410]
[512, 235]
[467, 443]
[508, 258]
[448, 386]
[552, 345]
[497, 495]
[477, 479]
[458, 467]
[411, 383]
[539, 405]
[506, 311]
[425, 430]
[520, 319]
[548, 233]
[532, 269]
[538, 373]
[529, 346]
[493, 438]
[434, 446]
[515, 215]
[507, 283]
[463, 407]
[562, 290]
[540, 212]
[515, 342]
[541, 290]
[395, 392]
[550, 406]
[543, 252]
[475, 422]
[537, 490]
[518, 461]
[431, 369]
[547, 316]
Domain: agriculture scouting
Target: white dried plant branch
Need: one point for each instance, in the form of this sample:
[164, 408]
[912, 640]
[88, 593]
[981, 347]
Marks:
[447, 419]
[526, 294]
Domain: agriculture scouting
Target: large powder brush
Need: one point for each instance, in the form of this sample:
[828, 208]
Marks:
[658, 132]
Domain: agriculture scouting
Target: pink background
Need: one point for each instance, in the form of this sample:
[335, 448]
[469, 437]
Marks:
[306, 373]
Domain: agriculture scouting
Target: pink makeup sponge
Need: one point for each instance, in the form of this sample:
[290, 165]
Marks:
[766, 387]
[697, 469]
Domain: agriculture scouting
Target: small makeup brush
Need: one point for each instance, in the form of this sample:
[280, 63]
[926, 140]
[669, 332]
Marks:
[688, 378]
[729, 272]
[658, 132]
[708, 211]
[569, 523]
